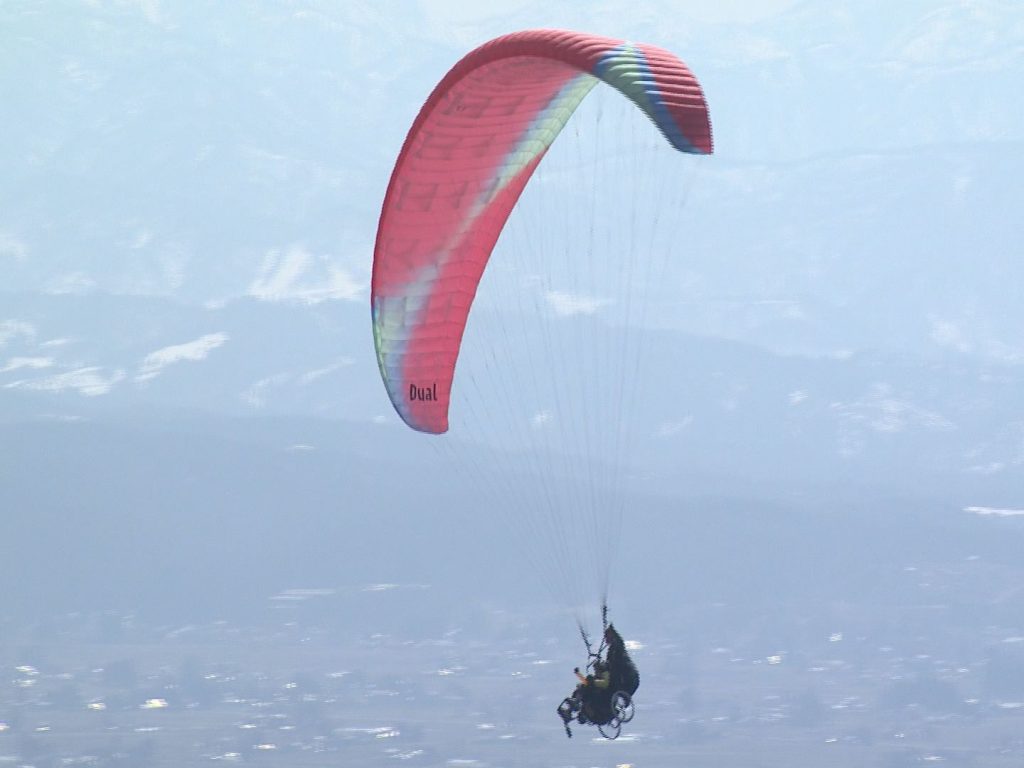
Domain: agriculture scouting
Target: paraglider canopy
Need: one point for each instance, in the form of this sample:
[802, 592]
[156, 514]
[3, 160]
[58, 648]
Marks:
[470, 152]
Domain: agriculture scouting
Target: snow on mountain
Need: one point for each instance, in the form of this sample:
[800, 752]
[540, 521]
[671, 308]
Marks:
[195, 350]
[287, 276]
[990, 511]
[35, 363]
[90, 382]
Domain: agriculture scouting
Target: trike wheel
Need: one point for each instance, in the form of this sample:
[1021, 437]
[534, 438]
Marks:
[622, 705]
[611, 729]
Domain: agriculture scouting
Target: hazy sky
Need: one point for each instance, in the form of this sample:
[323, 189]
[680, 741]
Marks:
[465, 12]
[826, 428]
[863, 195]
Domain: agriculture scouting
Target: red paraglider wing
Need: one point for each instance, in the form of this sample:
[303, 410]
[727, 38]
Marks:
[464, 164]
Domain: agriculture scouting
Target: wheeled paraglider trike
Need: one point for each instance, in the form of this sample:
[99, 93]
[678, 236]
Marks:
[604, 696]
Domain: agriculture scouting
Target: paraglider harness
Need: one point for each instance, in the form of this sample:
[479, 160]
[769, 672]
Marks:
[612, 706]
